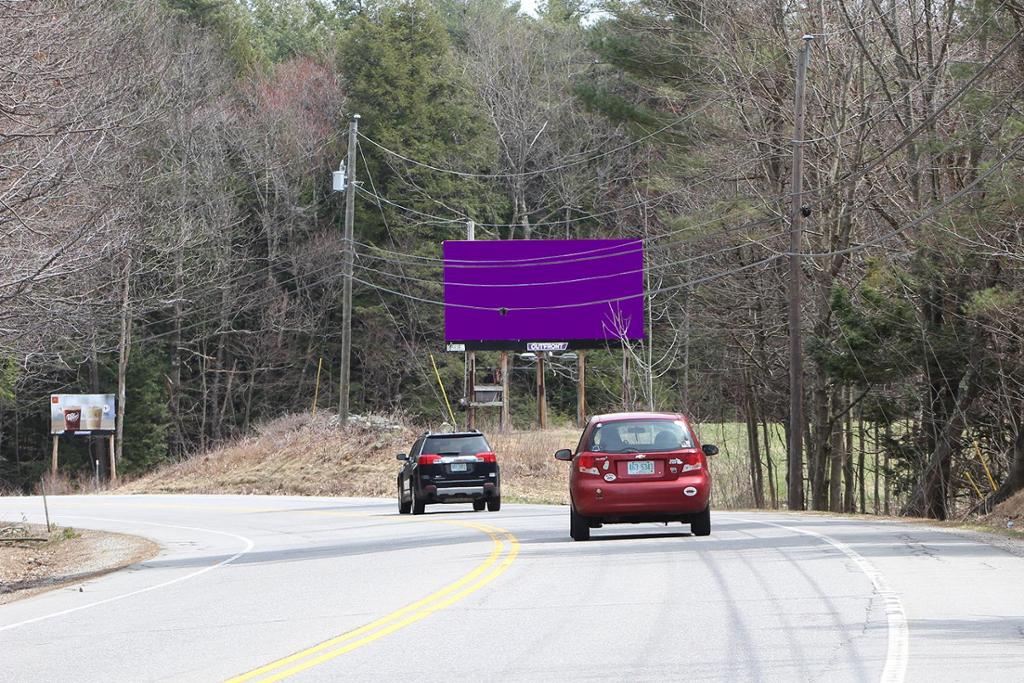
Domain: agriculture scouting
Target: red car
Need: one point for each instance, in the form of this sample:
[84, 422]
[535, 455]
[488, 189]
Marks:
[638, 467]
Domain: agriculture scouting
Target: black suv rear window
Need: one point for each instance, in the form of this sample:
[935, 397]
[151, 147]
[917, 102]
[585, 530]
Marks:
[470, 444]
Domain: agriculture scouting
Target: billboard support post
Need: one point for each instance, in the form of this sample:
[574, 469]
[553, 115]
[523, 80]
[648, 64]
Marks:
[113, 460]
[542, 402]
[581, 388]
[53, 455]
[505, 425]
[470, 372]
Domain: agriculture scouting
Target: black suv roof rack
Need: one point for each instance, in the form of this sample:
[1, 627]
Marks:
[462, 433]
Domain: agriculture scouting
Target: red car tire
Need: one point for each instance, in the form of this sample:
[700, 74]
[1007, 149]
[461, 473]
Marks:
[579, 526]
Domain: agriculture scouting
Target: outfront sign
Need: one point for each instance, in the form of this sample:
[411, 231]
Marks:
[82, 414]
[547, 346]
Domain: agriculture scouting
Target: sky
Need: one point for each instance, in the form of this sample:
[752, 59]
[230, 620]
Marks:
[528, 7]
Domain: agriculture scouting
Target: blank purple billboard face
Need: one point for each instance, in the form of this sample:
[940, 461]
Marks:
[543, 290]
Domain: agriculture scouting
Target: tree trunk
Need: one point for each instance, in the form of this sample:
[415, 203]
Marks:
[837, 458]
[174, 381]
[849, 504]
[930, 496]
[123, 351]
[97, 447]
[753, 444]
[878, 467]
[772, 480]
[885, 469]
[221, 362]
[861, 433]
[820, 442]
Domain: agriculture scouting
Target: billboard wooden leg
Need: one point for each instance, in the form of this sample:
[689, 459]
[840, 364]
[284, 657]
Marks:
[113, 461]
[471, 389]
[581, 388]
[505, 371]
[53, 456]
[542, 403]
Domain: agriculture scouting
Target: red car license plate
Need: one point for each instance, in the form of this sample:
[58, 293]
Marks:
[640, 467]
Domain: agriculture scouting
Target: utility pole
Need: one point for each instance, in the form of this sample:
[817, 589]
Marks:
[795, 497]
[348, 245]
[470, 372]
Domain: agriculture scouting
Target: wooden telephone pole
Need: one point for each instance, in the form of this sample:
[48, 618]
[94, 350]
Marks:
[348, 247]
[795, 497]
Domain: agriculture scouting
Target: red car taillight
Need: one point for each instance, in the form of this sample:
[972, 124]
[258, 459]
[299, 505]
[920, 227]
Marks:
[588, 464]
[691, 461]
[428, 459]
[487, 457]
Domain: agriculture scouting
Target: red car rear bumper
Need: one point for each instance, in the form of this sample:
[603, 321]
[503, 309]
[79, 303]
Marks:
[636, 499]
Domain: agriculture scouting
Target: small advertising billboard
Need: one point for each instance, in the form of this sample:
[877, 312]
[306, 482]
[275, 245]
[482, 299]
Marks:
[82, 414]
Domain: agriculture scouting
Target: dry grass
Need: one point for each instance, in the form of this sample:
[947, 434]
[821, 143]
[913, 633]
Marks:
[529, 471]
[306, 455]
[294, 455]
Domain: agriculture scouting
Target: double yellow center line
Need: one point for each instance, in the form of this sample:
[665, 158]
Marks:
[503, 553]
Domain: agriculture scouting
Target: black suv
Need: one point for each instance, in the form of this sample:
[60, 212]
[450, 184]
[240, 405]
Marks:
[449, 468]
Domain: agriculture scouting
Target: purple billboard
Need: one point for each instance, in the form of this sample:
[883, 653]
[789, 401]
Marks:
[542, 295]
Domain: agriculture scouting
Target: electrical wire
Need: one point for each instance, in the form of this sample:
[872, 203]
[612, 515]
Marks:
[647, 268]
[927, 215]
[526, 174]
[462, 218]
[910, 91]
[874, 163]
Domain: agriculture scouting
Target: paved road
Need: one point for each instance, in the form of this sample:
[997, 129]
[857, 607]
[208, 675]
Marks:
[263, 588]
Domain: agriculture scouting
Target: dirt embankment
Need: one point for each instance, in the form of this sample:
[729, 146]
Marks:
[1008, 515]
[66, 556]
[314, 456]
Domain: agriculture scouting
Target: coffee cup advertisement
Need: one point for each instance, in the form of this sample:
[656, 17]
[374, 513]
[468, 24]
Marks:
[82, 414]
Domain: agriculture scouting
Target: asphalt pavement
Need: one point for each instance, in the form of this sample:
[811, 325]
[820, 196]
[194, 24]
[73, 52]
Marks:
[327, 589]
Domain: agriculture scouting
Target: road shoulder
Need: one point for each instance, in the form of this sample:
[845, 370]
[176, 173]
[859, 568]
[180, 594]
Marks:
[68, 556]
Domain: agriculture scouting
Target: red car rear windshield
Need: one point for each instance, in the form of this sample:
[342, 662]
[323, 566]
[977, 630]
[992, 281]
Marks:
[640, 436]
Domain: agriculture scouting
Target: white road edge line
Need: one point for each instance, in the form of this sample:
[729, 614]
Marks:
[249, 544]
[897, 655]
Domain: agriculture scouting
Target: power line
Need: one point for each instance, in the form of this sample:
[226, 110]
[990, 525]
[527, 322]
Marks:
[552, 169]
[462, 217]
[647, 268]
[755, 264]
[910, 91]
[967, 189]
[874, 163]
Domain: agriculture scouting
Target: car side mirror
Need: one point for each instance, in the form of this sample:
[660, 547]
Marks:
[401, 456]
[564, 454]
[709, 449]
